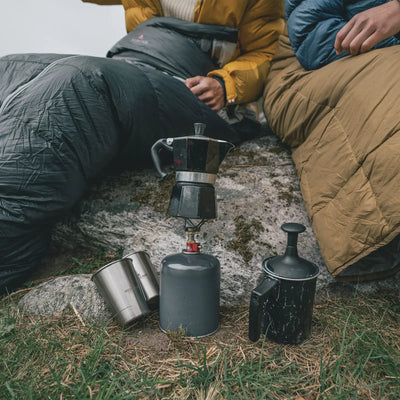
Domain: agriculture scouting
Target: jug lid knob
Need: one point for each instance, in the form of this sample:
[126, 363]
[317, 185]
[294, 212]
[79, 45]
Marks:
[199, 128]
[293, 227]
[289, 265]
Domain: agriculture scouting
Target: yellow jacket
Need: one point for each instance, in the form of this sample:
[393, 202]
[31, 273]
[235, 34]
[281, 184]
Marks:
[259, 22]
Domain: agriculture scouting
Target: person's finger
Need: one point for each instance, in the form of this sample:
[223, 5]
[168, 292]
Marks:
[210, 103]
[206, 96]
[197, 85]
[350, 41]
[209, 99]
[354, 47]
[191, 82]
[198, 90]
[368, 28]
[351, 35]
[213, 104]
[208, 90]
[216, 104]
[341, 35]
[370, 42]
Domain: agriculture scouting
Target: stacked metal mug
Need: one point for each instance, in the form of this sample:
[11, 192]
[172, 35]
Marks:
[130, 286]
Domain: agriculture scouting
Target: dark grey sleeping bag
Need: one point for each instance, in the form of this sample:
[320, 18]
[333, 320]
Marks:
[63, 119]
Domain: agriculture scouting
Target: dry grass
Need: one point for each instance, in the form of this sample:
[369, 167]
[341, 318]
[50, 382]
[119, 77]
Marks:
[354, 352]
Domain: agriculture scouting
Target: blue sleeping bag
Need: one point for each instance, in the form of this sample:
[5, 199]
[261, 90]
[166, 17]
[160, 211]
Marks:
[313, 26]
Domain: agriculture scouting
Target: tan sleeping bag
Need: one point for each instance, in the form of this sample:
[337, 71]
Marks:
[343, 125]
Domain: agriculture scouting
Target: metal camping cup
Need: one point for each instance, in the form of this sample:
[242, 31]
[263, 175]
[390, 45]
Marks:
[147, 275]
[120, 287]
[282, 305]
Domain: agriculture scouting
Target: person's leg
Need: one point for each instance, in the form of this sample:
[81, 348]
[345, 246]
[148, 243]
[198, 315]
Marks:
[61, 129]
[18, 69]
[57, 132]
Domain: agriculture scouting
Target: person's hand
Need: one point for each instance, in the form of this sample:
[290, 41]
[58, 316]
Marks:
[208, 90]
[368, 28]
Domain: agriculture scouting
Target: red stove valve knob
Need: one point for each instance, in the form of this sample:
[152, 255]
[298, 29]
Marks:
[192, 247]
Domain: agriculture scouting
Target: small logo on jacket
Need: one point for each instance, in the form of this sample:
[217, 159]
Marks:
[139, 39]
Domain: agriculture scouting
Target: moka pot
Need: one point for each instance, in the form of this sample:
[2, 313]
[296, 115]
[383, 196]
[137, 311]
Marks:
[196, 161]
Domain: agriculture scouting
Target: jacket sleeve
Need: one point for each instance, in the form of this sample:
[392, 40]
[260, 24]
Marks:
[259, 32]
[313, 25]
[312, 28]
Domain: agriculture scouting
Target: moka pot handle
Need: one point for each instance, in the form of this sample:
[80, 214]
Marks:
[165, 143]
[257, 300]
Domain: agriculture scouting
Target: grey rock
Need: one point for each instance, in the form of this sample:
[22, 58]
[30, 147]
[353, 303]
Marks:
[257, 191]
[77, 293]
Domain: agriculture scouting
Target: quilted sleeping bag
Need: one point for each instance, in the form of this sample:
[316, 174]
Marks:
[342, 122]
[64, 118]
[313, 25]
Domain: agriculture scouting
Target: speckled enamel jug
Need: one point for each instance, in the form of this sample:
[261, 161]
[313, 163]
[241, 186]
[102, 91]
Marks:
[282, 305]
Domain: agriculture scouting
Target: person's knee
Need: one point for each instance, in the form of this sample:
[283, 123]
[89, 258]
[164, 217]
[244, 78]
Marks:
[80, 71]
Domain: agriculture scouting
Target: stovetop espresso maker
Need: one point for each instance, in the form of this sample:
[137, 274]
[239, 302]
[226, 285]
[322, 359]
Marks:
[190, 280]
[196, 161]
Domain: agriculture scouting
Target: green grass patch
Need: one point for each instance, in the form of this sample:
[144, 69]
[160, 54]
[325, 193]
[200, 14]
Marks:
[354, 353]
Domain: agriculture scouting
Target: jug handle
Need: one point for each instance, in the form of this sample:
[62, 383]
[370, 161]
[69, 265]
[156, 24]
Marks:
[161, 143]
[257, 300]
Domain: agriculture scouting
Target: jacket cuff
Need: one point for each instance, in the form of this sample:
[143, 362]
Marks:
[222, 82]
[230, 89]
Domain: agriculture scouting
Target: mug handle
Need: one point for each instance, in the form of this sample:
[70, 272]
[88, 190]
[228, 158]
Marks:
[257, 300]
[161, 143]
